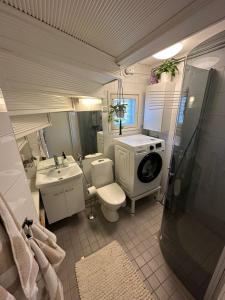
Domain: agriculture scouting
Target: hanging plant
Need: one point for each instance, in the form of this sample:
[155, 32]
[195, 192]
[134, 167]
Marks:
[117, 110]
[169, 66]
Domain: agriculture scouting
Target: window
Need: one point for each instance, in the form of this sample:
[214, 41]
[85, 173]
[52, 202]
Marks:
[130, 118]
[181, 112]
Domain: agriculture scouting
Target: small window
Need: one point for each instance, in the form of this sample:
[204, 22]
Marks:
[180, 119]
[130, 118]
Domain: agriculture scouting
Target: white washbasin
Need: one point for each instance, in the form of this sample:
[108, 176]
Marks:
[50, 176]
[50, 163]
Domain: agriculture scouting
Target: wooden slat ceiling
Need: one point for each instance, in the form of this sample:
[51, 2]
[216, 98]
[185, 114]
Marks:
[112, 26]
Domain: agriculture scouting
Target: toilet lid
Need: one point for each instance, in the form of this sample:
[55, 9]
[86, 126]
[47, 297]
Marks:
[112, 194]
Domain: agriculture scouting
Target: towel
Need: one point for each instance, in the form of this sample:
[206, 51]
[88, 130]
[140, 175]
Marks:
[28, 266]
[4, 294]
[46, 240]
[23, 257]
[49, 257]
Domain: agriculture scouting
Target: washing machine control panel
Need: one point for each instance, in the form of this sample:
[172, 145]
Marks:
[155, 146]
[141, 149]
[158, 145]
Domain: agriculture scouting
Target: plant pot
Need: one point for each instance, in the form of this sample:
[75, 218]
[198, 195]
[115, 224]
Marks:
[165, 77]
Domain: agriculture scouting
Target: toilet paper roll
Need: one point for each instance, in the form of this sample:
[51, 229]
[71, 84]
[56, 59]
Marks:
[91, 190]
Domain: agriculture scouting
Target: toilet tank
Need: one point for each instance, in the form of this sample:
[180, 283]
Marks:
[86, 162]
[102, 172]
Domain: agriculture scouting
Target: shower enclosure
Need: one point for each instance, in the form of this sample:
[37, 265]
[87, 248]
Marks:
[193, 227]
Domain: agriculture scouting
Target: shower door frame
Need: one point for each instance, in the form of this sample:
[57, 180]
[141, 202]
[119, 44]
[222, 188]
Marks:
[218, 279]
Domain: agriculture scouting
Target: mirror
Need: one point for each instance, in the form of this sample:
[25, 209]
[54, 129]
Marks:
[89, 123]
[73, 132]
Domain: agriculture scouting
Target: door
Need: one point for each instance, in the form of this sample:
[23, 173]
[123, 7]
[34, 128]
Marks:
[54, 203]
[74, 196]
[149, 167]
[193, 231]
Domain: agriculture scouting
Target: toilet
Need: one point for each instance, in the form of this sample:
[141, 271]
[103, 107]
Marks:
[110, 194]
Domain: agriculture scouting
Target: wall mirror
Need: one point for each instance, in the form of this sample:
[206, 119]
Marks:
[73, 132]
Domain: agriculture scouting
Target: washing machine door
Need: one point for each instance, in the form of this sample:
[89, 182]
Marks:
[149, 167]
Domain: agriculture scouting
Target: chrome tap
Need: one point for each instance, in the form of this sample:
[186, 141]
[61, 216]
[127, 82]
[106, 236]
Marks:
[56, 162]
[79, 159]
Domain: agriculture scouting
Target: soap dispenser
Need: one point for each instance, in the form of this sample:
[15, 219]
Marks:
[64, 160]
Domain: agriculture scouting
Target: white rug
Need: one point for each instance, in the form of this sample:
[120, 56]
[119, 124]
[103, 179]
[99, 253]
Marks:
[109, 274]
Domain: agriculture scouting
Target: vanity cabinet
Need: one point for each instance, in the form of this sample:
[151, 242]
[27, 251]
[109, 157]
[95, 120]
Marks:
[63, 199]
[73, 195]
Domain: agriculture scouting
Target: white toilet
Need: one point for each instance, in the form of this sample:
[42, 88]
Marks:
[110, 194]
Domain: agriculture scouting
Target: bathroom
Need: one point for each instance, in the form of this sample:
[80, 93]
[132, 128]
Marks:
[112, 168]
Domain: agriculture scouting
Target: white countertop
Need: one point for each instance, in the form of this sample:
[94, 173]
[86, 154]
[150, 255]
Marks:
[138, 140]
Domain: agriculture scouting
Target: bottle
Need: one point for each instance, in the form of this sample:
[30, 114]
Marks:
[64, 160]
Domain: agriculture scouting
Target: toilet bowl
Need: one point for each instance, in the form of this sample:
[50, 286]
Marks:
[110, 194]
[112, 197]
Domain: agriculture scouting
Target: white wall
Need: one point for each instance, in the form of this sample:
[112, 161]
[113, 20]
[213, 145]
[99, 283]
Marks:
[169, 135]
[132, 84]
[13, 183]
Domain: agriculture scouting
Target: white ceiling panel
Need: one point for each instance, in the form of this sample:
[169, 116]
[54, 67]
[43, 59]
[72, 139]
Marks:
[24, 74]
[111, 26]
[190, 43]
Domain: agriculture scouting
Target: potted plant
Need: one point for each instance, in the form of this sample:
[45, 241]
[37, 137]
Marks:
[117, 110]
[169, 67]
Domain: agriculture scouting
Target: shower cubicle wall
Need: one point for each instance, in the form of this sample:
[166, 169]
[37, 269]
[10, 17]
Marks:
[193, 226]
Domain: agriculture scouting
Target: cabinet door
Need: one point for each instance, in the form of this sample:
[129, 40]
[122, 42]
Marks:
[74, 197]
[122, 165]
[54, 203]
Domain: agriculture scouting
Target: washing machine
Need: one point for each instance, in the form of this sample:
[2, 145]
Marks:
[138, 165]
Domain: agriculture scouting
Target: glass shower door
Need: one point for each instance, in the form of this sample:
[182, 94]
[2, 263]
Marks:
[192, 234]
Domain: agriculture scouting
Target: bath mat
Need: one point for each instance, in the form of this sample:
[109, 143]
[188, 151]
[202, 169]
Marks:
[108, 274]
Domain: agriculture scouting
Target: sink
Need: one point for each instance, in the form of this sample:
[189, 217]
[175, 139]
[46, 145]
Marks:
[51, 176]
[49, 163]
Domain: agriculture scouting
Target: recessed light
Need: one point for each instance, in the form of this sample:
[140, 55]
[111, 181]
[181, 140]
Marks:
[169, 52]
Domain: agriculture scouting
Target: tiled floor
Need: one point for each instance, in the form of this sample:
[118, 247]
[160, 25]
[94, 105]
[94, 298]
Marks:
[138, 235]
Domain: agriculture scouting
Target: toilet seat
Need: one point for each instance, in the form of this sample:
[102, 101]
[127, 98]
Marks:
[112, 194]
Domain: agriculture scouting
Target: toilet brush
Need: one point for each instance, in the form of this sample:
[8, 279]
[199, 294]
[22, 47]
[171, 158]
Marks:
[91, 215]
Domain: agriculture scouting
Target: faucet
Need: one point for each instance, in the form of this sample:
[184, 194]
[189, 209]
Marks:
[56, 161]
[79, 159]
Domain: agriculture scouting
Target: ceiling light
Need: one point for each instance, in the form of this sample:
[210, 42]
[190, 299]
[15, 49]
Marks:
[89, 101]
[169, 52]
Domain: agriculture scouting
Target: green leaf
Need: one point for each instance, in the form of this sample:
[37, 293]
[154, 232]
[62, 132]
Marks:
[169, 66]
